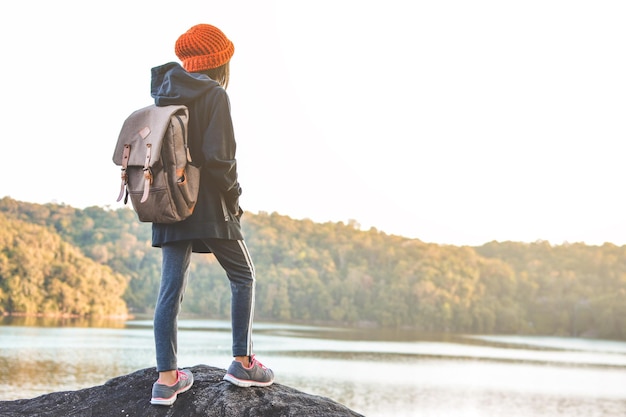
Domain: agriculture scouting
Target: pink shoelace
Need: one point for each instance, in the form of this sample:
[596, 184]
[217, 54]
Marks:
[253, 360]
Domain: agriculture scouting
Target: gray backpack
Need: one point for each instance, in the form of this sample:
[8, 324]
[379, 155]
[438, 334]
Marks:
[157, 170]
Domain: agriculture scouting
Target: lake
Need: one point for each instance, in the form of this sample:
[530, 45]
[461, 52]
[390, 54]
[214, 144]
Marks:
[372, 371]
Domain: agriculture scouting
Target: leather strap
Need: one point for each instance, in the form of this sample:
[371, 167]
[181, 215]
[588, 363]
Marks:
[125, 157]
[147, 173]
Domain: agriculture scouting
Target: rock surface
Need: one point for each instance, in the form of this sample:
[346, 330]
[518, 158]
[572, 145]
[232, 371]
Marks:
[210, 396]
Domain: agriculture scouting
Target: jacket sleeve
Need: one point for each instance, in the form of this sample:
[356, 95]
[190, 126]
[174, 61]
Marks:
[219, 147]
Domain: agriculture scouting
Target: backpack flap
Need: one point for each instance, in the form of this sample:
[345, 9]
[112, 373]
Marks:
[140, 140]
[156, 120]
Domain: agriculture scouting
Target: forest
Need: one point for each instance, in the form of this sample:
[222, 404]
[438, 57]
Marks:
[60, 260]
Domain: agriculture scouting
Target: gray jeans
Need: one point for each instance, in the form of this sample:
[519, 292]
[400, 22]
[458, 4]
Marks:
[233, 256]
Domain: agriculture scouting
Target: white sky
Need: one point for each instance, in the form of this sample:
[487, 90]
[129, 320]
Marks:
[455, 122]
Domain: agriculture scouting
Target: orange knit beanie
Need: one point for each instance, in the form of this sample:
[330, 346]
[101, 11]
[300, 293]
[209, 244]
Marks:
[203, 47]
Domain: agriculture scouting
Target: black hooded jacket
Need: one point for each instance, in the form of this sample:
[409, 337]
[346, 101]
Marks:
[212, 145]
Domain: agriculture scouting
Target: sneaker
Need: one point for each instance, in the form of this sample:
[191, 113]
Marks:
[166, 394]
[257, 375]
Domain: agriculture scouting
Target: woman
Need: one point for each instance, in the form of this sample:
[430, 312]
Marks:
[214, 226]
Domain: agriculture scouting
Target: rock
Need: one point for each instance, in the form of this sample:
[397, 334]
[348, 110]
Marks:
[210, 396]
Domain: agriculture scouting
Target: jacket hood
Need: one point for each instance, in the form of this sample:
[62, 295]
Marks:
[171, 84]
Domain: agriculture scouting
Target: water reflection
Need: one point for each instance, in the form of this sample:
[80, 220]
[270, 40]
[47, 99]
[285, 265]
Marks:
[377, 373]
[42, 321]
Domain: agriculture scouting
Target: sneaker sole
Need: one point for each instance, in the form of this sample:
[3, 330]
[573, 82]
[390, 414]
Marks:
[172, 399]
[163, 401]
[246, 383]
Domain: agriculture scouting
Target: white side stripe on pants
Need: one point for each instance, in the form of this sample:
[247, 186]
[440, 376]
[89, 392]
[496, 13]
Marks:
[246, 254]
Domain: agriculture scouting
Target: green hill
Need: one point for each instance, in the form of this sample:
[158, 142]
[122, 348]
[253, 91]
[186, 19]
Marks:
[42, 274]
[325, 273]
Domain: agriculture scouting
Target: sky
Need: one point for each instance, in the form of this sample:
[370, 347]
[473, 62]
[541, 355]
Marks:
[450, 121]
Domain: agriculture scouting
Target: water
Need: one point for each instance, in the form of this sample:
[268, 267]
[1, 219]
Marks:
[374, 372]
